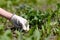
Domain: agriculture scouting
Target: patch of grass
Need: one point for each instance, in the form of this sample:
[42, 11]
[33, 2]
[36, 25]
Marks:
[44, 24]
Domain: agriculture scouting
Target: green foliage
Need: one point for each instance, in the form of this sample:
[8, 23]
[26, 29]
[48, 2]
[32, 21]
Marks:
[5, 35]
[44, 24]
[1, 29]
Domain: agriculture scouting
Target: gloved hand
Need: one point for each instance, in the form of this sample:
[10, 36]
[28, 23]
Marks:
[20, 22]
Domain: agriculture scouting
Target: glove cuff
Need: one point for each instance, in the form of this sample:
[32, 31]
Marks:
[14, 20]
[13, 17]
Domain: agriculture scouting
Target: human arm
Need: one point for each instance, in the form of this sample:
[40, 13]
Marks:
[18, 21]
[5, 14]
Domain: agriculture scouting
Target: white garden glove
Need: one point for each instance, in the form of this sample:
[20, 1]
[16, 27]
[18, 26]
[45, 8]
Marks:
[19, 22]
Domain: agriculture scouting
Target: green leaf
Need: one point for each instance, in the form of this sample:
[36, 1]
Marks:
[36, 34]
